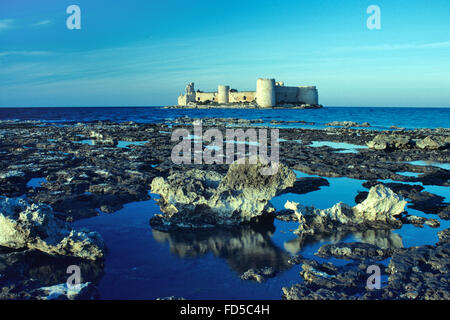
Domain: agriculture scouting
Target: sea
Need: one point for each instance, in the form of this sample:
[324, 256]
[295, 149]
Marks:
[378, 117]
[143, 263]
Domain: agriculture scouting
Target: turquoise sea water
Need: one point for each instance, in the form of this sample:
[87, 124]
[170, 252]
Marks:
[378, 117]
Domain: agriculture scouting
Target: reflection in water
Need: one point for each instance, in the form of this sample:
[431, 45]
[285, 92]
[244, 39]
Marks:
[252, 246]
[43, 269]
[243, 247]
[380, 238]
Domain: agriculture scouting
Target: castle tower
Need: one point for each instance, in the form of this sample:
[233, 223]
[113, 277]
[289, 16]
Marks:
[265, 93]
[223, 94]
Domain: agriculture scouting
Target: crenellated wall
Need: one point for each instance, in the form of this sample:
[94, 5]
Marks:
[269, 93]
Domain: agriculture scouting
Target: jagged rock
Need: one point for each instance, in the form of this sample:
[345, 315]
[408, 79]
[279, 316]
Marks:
[34, 226]
[198, 198]
[171, 298]
[420, 221]
[421, 200]
[347, 124]
[390, 142]
[297, 259]
[444, 236]
[11, 174]
[438, 177]
[382, 204]
[380, 209]
[414, 273]
[258, 275]
[302, 292]
[324, 281]
[434, 142]
[82, 291]
[354, 250]
[421, 272]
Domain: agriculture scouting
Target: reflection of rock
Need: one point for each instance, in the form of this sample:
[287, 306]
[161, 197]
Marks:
[33, 226]
[296, 245]
[378, 237]
[243, 247]
[24, 272]
[414, 273]
[198, 198]
[379, 210]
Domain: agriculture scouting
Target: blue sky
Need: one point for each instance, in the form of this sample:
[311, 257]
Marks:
[140, 53]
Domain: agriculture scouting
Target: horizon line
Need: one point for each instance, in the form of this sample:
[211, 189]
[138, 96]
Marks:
[162, 106]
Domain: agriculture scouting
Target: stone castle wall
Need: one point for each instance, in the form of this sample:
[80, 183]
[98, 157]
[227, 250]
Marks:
[268, 94]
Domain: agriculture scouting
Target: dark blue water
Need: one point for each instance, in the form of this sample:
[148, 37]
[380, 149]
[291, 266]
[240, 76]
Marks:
[145, 264]
[378, 117]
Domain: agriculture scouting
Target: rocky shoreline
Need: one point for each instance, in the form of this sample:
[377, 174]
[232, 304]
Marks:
[250, 105]
[86, 169]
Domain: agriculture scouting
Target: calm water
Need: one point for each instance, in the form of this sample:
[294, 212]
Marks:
[145, 264]
[381, 118]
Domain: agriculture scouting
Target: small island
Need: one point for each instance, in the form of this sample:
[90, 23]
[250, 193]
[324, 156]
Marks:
[268, 94]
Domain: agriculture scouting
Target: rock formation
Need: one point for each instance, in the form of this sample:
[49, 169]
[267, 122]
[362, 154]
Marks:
[34, 226]
[198, 198]
[390, 142]
[434, 142]
[354, 251]
[380, 209]
[396, 141]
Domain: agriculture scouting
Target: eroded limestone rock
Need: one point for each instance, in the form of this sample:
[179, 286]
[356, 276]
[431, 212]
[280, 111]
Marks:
[390, 142]
[421, 272]
[198, 198]
[434, 142]
[33, 226]
[258, 275]
[380, 209]
[354, 250]
[82, 291]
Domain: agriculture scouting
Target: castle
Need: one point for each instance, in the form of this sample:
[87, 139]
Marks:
[268, 94]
